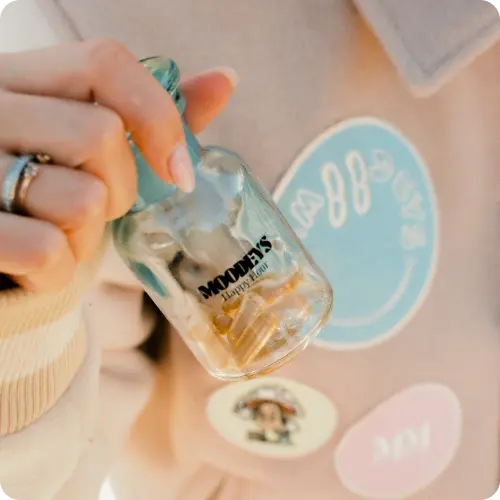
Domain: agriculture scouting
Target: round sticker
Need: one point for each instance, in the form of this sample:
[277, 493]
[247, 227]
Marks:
[273, 417]
[403, 446]
[361, 200]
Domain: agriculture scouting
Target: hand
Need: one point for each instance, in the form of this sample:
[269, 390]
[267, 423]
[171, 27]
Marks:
[47, 106]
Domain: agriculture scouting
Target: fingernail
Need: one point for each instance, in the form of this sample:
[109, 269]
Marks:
[230, 74]
[181, 169]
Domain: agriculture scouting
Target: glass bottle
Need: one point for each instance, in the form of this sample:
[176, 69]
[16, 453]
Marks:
[221, 262]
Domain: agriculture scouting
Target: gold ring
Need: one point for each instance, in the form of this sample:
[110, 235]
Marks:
[28, 175]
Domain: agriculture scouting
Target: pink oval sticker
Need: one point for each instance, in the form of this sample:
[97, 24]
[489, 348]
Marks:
[403, 445]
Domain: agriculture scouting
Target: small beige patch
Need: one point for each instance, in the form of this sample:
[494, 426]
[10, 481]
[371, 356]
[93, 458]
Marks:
[273, 417]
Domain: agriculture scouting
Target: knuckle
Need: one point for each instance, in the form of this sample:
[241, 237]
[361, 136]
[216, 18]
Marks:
[108, 127]
[50, 248]
[102, 131]
[104, 53]
[91, 202]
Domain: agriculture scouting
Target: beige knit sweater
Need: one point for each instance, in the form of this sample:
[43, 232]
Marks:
[62, 418]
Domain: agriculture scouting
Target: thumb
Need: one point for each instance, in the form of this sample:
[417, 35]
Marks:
[207, 95]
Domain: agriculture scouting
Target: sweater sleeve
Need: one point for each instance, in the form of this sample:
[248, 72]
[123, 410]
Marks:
[45, 356]
[71, 383]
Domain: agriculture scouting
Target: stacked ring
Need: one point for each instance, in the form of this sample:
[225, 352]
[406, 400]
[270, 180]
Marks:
[16, 183]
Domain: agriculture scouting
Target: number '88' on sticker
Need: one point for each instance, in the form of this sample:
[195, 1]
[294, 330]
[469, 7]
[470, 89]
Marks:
[361, 199]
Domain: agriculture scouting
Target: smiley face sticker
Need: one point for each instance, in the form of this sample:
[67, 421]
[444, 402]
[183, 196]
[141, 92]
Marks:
[361, 199]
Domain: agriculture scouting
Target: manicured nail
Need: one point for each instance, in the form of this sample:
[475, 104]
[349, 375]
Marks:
[230, 74]
[181, 169]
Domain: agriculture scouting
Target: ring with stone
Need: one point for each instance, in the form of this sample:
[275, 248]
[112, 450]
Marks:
[43, 158]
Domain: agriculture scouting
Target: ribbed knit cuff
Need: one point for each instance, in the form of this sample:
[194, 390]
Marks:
[42, 347]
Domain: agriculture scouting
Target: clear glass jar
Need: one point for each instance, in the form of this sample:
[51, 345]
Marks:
[221, 263]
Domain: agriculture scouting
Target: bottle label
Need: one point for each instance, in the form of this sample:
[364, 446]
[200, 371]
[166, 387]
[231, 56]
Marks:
[237, 279]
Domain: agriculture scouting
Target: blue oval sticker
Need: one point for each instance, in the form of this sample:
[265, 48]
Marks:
[361, 199]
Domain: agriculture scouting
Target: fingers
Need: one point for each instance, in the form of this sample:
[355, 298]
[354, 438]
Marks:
[105, 72]
[71, 200]
[35, 253]
[74, 134]
[47, 105]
